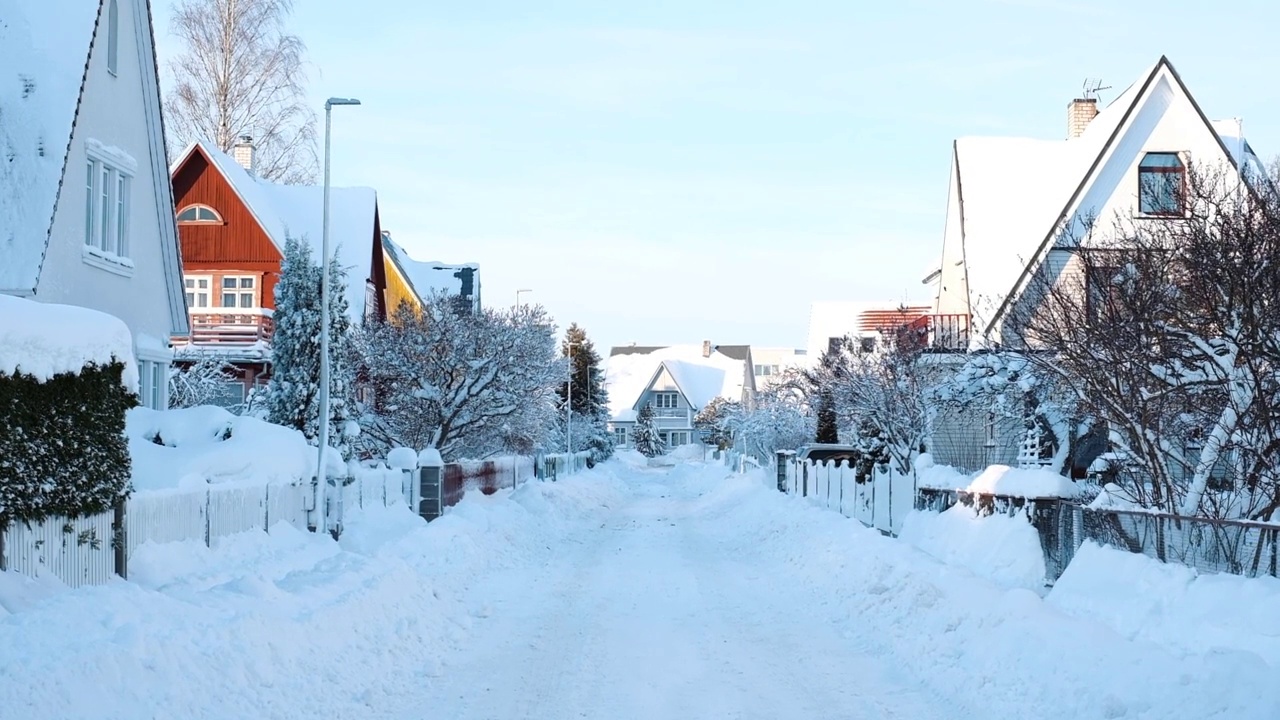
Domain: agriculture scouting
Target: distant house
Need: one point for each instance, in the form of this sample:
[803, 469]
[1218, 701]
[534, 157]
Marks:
[678, 381]
[233, 226]
[862, 322]
[768, 363]
[416, 281]
[1019, 209]
[86, 213]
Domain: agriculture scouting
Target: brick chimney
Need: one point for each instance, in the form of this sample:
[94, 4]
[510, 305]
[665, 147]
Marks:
[1079, 113]
[706, 348]
[242, 153]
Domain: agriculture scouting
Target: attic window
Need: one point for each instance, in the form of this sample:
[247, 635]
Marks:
[113, 37]
[193, 214]
[1161, 184]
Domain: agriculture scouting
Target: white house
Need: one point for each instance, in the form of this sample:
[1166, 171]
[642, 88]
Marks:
[832, 321]
[86, 211]
[1017, 207]
[678, 381]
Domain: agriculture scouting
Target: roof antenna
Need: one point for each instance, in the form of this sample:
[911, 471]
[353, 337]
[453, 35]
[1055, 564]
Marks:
[1092, 86]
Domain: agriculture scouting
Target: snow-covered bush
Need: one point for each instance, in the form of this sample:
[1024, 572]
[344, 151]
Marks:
[201, 382]
[62, 444]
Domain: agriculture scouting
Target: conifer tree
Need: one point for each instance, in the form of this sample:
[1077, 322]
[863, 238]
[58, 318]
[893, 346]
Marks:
[590, 401]
[293, 392]
[647, 440]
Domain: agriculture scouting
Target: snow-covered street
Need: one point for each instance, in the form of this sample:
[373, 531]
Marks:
[625, 592]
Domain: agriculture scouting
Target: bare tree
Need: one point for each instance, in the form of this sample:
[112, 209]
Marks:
[1166, 329]
[242, 75]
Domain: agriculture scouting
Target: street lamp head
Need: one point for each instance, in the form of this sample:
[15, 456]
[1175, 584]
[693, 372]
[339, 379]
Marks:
[340, 101]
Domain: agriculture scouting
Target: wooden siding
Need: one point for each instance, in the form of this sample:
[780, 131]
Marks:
[238, 239]
[396, 290]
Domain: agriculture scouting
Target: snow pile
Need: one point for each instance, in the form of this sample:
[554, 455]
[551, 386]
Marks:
[1022, 482]
[1001, 548]
[402, 458]
[46, 339]
[192, 447]
[939, 477]
[985, 651]
[1171, 605]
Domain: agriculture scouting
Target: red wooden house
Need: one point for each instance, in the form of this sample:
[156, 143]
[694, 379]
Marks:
[232, 226]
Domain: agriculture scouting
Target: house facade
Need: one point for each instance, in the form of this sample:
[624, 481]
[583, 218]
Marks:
[85, 193]
[677, 381]
[1020, 213]
[417, 281]
[233, 227]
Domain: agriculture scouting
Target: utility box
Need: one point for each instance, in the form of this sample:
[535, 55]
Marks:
[784, 460]
[430, 485]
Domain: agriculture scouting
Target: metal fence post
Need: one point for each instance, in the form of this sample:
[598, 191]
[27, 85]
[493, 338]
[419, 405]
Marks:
[120, 539]
[430, 484]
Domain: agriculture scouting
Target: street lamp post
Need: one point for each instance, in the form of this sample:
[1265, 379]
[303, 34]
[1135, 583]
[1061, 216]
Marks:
[520, 292]
[322, 478]
[568, 407]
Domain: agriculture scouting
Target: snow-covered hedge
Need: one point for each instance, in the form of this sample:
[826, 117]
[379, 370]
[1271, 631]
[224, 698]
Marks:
[62, 444]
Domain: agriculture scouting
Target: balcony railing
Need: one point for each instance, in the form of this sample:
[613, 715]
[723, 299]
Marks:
[230, 329]
[943, 332]
[669, 412]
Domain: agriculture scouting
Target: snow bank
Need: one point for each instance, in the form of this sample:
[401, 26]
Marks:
[46, 339]
[192, 447]
[1022, 482]
[284, 625]
[997, 480]
[989, 650]
[1171, 605]
[1000, 548]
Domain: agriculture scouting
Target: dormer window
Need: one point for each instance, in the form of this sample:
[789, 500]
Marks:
[195, 214]
[1162, 184]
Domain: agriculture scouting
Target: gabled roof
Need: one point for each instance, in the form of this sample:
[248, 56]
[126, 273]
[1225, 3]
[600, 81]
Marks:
[700, 379]
[427, 277]
[44, 55]
[1016, 194]
[283, 211]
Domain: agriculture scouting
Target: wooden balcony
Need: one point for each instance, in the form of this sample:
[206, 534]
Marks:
[942, 333]
[238, 328]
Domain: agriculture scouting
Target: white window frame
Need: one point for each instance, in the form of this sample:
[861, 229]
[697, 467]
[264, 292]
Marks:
[108, 206]
[153, 381]
[666, 400]
[198, 207]
[194, 292]
[238, 292]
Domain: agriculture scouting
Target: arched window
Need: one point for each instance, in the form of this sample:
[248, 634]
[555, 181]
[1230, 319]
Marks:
[199, 214]
[113, 37]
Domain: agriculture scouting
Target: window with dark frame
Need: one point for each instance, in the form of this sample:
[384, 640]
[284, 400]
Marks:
[198, 214]
[1162, 181]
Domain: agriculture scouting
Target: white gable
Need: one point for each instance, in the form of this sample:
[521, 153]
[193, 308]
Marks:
[44, 47]
[1011, 199]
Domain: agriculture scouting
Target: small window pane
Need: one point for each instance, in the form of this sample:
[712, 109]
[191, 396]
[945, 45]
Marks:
[104, 210]
[191, 300]
[189, 282]
[90, 196]
[202, 300]
[207, 215]
[246, 282]
[188, 215]
[229, 283]
[246, 300]
[122, 215]
[228, 300]
[204, 283]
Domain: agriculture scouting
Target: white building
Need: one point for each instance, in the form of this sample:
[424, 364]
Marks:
[1018, 211]
[86, 210]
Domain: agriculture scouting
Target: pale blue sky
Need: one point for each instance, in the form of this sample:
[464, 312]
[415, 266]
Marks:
[673, 171]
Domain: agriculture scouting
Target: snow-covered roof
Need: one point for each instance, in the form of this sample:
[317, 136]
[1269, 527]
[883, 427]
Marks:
[1014, 192]
[47, 339]
[431, 277]
[298, 211]
[700, 379]
[44, 51]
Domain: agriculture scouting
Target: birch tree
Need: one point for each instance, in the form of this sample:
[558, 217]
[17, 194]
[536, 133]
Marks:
[241, 73]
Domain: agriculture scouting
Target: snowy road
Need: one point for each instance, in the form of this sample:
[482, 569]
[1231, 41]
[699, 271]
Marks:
[626, 592]
[644, 615]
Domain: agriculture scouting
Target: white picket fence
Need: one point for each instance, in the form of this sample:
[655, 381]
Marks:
[82, 551]
[882, 502]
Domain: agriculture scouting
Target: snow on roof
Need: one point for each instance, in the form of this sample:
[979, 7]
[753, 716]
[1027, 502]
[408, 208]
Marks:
[701, 379]
[46, 339]
[431, 277]
[298, 211]
[1231, 133]
[44, 49]
[837, 318]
